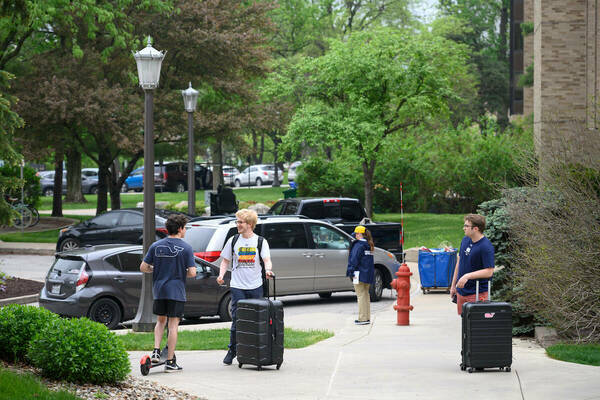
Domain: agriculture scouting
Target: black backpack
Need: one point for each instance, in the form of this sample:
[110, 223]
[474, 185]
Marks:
[262, 263]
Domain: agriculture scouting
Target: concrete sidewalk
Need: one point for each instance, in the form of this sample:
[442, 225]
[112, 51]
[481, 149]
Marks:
[381, 361]
[40, 249]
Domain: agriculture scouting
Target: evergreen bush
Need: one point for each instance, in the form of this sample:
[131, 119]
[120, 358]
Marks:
[79, 350]
[18, 326]
[498, 231]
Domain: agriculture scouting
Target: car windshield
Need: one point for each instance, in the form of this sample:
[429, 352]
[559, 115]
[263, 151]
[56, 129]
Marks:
[277, 209]
[198, 237]
[67, 266]
[268, 167]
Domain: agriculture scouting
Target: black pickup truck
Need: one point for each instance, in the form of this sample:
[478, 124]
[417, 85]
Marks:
[346, 214]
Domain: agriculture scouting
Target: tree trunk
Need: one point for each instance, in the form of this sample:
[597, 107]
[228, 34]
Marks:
[103, 173]
[262, 148]
[114, 187]
[59, 157]
[276, 141]
[253, 159]
[217, 171]
[368, 172]
[74, 192]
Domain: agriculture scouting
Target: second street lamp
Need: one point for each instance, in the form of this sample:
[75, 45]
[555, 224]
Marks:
[149, 61]
[190, 99]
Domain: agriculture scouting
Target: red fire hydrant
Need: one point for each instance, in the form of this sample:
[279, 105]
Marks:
[402, 286]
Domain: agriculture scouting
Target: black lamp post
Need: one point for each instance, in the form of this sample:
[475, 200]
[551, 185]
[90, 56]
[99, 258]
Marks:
[148, 61]
[190, 99]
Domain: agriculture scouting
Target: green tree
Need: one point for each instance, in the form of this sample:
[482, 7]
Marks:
[9, 121]
[485, 31]
[64, 23]
[372, 86]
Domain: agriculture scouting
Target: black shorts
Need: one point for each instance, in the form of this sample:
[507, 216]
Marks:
[170, 308]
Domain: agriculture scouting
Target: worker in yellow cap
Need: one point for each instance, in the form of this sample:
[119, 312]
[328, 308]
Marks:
[362, 271]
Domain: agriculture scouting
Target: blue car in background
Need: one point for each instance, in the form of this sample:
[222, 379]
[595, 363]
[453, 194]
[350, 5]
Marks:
[135, 180]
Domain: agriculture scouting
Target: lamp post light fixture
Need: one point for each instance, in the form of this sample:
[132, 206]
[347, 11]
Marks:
[190, 99]
[149, 61]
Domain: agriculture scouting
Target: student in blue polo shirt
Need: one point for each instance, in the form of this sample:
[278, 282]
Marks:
[475, 260]
[170, 261]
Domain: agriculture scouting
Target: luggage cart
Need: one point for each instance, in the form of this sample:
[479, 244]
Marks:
[436, 269]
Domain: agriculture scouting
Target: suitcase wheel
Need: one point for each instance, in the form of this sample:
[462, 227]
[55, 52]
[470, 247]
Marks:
[507, 369]
[470, 370]
[278, 365]
[259, 368]
[462, 367]
[240, 365]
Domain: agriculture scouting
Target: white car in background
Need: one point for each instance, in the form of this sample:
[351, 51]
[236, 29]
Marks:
[229, 174]
[255, 175]
[292, 171]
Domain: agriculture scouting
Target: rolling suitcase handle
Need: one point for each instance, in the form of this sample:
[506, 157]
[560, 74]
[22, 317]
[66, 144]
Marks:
[274, 286]
[477, 289]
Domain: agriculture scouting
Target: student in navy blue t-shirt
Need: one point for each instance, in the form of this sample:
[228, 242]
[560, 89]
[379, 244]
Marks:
[170, 261]
[475, 260]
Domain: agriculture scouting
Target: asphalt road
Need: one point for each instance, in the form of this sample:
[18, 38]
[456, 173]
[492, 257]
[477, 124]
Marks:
[344, 303]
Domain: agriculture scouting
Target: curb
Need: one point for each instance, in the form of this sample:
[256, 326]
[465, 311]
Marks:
[28, 251]
[32, 298]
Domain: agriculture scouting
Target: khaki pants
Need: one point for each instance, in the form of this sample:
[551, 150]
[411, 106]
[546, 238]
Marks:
[364, 301]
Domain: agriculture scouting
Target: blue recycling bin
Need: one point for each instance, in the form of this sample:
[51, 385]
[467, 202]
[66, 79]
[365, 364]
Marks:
[436, 269]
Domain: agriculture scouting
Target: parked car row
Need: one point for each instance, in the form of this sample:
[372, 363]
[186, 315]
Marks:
[89, 182]
[103, 282]
[172, 176]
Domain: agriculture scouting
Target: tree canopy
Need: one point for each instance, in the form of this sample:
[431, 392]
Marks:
[372, 86]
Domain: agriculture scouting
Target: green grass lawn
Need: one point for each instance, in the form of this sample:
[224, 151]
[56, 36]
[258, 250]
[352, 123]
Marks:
[244, 194]
[26, 386]
[588, 354]
[49, 236]
[428, 230]
[218, 339]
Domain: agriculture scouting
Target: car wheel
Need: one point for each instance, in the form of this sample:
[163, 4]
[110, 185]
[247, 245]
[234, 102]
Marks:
[258, 182]
[94, 190]
[325, 295]
[376, 289]
[106, 311]
[48, 192]
[69, 244]
[237, 183]
[225, 308]
[180, 187]
[139, 190]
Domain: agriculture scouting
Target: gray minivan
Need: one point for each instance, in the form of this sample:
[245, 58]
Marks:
[309, 256]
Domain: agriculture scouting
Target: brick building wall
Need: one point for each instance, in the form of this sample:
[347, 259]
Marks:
[566, 77]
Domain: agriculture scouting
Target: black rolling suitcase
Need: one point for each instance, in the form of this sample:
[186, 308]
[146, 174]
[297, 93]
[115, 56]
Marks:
[486, 335]
[259, 332]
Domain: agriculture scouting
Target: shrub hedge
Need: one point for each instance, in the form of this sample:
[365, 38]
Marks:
[79, 350]
[18, 325]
